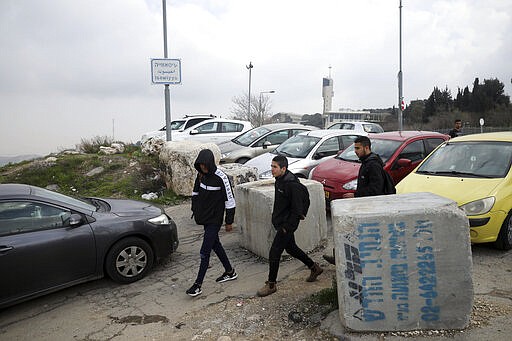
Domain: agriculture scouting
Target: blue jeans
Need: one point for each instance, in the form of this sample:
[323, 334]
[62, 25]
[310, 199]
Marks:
[211, 242]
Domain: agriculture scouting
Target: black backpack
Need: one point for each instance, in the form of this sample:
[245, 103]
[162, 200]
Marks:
[304, 195]
[389, 185]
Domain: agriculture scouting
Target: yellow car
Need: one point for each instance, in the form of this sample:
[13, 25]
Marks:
[474, 171]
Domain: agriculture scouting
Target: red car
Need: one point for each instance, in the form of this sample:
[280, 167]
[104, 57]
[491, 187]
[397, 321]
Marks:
[400, 151]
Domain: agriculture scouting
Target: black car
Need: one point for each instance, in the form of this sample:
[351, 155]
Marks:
[49, 241]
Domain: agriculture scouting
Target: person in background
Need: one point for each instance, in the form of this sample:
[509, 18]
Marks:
[211, 196]
[285, 219]
[371, 178]
[457, 129]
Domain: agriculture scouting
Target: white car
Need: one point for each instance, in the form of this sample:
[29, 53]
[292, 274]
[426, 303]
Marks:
[359, 126]
[215, 130]
[177, 125]
[306, 150]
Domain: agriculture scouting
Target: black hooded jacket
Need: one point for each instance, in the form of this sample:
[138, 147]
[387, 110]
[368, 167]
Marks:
[212, 193]
[371, 178]
[287, 202]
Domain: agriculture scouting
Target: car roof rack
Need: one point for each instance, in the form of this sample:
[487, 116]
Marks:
[196, 115]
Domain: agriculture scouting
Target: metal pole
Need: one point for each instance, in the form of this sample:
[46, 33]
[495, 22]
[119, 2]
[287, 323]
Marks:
[166, 90]
[400, 93]
[249, 67]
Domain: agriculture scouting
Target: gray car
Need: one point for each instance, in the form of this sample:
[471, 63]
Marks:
[49, 241]
[305, 151]
[258, 141]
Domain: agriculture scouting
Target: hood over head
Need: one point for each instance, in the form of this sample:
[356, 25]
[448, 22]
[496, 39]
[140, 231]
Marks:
[206, 157]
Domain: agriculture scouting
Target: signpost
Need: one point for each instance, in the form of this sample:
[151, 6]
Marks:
[166, 71]
[481, 125]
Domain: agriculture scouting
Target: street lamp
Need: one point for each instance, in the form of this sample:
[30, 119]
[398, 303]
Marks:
[249, 67]
[260, 105]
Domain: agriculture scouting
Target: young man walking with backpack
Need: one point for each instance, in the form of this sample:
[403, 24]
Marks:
[286, 215]
[211, 196]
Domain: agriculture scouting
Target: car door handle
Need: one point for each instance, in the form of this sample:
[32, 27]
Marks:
[4, 248]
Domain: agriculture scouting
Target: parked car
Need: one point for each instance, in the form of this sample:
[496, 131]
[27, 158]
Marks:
[359, 126]
[177, 125]
[305, 151]
[474, 171]
[214, 130]
[259, 140]
[400, 151]
[49, 241]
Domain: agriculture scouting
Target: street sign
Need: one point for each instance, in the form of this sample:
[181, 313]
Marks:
[166, 71]
[402, 105]
[482, 121]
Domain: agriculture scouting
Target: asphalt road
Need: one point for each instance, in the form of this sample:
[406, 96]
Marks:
[156, 307]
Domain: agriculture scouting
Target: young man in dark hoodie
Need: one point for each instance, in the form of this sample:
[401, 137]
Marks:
[285, 219]
[211, 196]
[370, 180]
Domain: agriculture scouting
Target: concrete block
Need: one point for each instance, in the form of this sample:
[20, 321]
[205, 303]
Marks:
[239, 173]
[254, 203]
[403, 262]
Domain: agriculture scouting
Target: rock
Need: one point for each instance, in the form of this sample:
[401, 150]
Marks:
[53, 187]
[149, 196]
[95, 171]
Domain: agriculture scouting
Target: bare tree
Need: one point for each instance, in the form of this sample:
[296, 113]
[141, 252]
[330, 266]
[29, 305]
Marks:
[260, 109]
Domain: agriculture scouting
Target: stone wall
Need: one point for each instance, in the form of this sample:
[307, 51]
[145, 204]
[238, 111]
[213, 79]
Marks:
[403, 262]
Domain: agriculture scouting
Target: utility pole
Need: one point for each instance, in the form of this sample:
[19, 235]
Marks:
[166, 89]
[400, 93]
[249, 67]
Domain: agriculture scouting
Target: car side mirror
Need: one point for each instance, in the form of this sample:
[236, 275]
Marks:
[266, 144]
[403, 163]
[318, 156]
[75, 220]
[194, 132]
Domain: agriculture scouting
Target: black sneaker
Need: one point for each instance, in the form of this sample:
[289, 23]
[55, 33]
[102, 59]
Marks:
[227, 276]
[194, 290]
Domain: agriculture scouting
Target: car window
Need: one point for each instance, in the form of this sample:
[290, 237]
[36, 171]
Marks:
[372, 128]
[193, 121]
[346, 140]
[470, 159]
[297, 131]
[207, 128]
[331, 146]
[384, 148]
[297, 146]
[250, 136]
[175, 125]
[431, 144]
[24, 216]
[274, 138]
[414, 151]
[231, 127]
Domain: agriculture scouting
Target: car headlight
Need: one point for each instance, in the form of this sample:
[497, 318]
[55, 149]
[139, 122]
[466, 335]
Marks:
[478, 207]
[224, 155]
[162, 219]
[266, 175]
[351, 185]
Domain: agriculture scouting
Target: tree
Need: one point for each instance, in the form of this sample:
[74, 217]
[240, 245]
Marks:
[314, 120]
[260, 109]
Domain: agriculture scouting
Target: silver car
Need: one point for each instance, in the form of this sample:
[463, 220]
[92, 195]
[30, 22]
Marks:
[258, 141]
[306, 150]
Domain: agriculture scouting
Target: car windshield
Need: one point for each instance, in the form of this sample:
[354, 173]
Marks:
[297, 146]
[250, 136]
[64, 198]
[383, 148]
[176, 125]
[372, 128]
[480, 159]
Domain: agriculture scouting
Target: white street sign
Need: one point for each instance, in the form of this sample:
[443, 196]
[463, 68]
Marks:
[166, 71]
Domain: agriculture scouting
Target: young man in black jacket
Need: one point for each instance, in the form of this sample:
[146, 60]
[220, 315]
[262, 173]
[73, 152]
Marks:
[285, 219]
[371, 179]
[211, 196]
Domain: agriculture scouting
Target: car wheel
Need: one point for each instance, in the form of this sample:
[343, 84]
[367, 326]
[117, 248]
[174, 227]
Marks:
[242, 160]
[129, 260]
[504, 241]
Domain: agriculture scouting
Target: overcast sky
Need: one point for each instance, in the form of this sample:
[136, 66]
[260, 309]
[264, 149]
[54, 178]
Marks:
[73, 69]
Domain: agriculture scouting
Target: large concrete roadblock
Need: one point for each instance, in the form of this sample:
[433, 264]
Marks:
[403, 262]
[254, 203]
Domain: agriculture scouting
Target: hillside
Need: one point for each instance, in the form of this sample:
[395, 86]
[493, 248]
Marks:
[126, 175]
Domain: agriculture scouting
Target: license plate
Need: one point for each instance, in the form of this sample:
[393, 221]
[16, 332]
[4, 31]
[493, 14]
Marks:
[326, 194]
